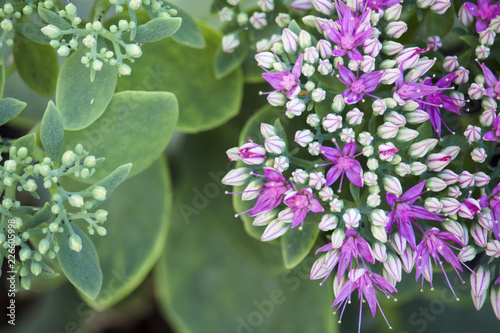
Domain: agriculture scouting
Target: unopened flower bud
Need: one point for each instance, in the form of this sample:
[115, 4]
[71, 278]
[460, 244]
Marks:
[274, 144]
[481, 179]
[478, 155]
[76, 200]
[461, 75]
[236, 177]
[379, 106]
[493, 249]
[396, 29]
[479, 234]
[433, 205]
[290, 41]
[480, 281]
[274, 229]
[258, 20]
[328, 222]
[467, 253]
[392, 185]
[391, 47]
[324, 48]
[75, 242]
[435, 184]
[420, 149]
[51, 31]
[437, 162]
[440, 6]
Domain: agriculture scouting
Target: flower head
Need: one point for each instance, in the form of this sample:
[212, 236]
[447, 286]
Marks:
[493, 202]
[367, 284]
[349, 31]
[405, 213]
[485, 11]
[287, 80]
[343, 162]
[301, 203]
[492, 81]
[493, 135]
[357, 87]
[434, 245]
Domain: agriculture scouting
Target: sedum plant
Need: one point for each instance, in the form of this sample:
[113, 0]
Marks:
[378, 148]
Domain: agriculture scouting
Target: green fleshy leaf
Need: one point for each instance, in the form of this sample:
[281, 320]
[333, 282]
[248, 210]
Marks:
[440, 24]
[294, 27]
[226, 63]
[53, 18]
[52, 132]
[133, 19]
[231, 281]
[157, 29]
[470, 40]
[2, 76]
[135, 128]
[199, 93]
[297, 243]
[189, 33]
[10, 108]
[355, 192]
[28, 141]
[111, 181]
[217, 5]
[41, 216]
[252, 72]
[37, 65]
[135, 237]
[81, 101]
[32, 32]
[81, 268]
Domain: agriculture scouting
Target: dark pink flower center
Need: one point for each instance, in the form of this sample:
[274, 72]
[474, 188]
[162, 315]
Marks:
[358, 86]
[298, 201]
[344, 163]
[403, 211]
[288, 81]
[347, 42]
[486, 12]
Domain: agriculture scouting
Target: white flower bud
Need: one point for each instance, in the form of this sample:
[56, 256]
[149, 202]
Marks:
[236, 177]
[274, 144]
[481, 179]
[328, 222]
[435, 184]
[75, 242]
[290, 41]
[300, 176]
[478, 155]
[338, 236]
[76, 200]
[51, 31]
[230, 43]
[420, 149]
[392, 185]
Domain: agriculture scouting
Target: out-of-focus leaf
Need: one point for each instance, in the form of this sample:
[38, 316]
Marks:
[51, 17]
[189, 33]
[28, 141]
[225, 62]
[440, 24]
[157, 29]
[298, 242]
[32, 32]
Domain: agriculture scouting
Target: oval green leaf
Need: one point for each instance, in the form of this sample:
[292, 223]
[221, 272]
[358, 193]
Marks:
[81, 101]
[81, 268]
[137, 229]
[225, 62]
[204, 101]
[135, 128]
[32, 32]
[41, 216]
[190, 33]
[28, 141]
[157, 29]
[111, 181]
[297, 243]
[52, 132]
[37, 65]
[53, 18]
[10, 108]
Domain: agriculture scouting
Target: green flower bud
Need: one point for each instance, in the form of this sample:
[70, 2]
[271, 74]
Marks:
[97, 65]
[89, 41]
[10, 165]
[134, 4]
[79, 149]
[75, 242]
[7, 203]
[53, 226]
[73, 44]
[36, 268]
[99, 193]
[24, 271]
[8, 181]
[101, 231]
[97, 25]
[43, 246]
[36, 256]
[27, 10]
[113, 28]
[70, 9]
[30, 185]
[26, 283]
[22, 152]
[122, 24]
[76, 200]
[68, 157]
[133, 50]
[18, 223]
[101, 215]
[124, 69]
[47, 184]
[44, 170]
[89, 161]
[25, 254]
[8, 8]
[85, 173]
[6, 25]
[55, 248]
[51, 254]
[51, 31]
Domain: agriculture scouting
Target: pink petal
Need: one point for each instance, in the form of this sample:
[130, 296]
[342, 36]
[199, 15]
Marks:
[330, 153]
[489, 77]
[332, 175]
[355, 174]
[413, 193]
[346, 75]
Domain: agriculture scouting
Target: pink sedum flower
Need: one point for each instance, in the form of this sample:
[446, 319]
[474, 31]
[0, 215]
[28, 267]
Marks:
[286, 81]
[301, 203]
[343, 162]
